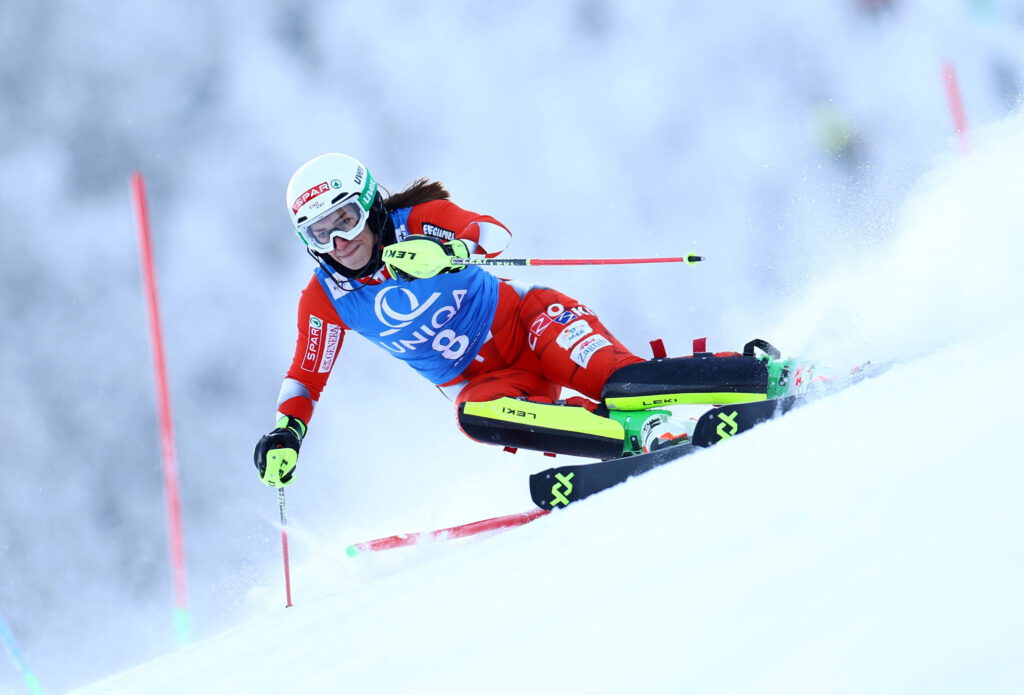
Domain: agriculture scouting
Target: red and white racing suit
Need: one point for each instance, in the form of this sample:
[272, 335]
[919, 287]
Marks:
[528, 341]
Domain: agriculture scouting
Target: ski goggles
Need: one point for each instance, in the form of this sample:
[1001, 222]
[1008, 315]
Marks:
[347, 219]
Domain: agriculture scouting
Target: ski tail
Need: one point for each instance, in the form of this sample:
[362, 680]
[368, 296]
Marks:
[561, 486]
[727, 421]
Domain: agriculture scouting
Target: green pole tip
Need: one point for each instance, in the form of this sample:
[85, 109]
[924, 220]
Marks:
[182, 627]
[694, 258]
[352, 550]
[32, 683]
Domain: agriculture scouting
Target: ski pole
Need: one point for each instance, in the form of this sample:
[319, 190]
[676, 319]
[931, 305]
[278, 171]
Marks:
[689, 259]
[284, 549]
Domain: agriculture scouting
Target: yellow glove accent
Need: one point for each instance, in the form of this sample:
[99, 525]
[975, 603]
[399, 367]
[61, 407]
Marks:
[280, 466]
[276, 453]
[422, 257]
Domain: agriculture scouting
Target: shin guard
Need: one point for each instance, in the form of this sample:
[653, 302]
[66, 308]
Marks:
[562, 429]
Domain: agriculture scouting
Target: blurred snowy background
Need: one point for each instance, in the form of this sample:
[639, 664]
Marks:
[776, 139]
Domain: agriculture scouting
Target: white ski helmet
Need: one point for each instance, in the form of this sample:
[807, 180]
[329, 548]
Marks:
[323, 186]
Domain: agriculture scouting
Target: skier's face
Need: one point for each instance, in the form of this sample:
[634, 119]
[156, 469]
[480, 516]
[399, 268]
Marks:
[354, 253]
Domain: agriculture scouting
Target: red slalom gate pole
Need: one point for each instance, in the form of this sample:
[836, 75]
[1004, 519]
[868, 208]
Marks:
[498, 523]
[956, 106]
[182, 622]
[284, 549]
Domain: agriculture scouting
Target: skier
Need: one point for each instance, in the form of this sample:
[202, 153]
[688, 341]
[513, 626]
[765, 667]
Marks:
[501, 350]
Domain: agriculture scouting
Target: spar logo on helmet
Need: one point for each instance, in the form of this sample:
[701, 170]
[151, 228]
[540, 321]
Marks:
[313, 192]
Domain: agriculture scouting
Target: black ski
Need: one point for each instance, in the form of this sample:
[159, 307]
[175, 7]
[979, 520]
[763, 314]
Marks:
[558, 487]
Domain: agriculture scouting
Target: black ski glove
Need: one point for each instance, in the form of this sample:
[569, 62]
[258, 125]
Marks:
[277, 452]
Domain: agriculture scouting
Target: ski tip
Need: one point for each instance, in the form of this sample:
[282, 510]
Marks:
[352, 550]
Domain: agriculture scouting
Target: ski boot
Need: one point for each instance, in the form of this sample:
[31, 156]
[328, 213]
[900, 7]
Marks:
[650, 430]
[571, 429]
[789, 377]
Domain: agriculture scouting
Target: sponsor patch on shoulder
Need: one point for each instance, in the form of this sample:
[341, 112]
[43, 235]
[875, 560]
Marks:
[582, 353]
[438, 232]
[572, 333]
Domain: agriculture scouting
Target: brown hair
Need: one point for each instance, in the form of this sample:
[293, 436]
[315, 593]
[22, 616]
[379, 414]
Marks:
[420, 191]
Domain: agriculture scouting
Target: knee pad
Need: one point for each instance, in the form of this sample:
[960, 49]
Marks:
[685, 380]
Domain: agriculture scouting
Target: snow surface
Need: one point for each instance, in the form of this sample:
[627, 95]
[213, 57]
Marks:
[869, 542]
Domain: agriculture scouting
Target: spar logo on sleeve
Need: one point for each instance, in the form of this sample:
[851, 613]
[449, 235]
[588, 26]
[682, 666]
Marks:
[321, 345]
[314, 344]
[582, 353]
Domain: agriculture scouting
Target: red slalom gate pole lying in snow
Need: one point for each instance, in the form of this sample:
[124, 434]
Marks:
[498, 523]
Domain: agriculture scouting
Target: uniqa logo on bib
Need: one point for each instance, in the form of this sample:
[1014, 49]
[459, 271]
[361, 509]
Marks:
[396, 319]
[405, 309]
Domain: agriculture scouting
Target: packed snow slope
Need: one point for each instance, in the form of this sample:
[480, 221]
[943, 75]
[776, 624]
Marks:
[869, 542]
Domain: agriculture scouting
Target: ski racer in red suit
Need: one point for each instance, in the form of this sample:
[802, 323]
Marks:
[501, 350]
